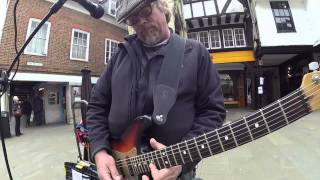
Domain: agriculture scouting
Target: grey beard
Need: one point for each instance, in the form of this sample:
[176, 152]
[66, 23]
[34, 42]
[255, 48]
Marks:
[152, 37]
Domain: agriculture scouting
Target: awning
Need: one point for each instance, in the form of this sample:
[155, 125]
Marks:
[41, 77]
[233, 57]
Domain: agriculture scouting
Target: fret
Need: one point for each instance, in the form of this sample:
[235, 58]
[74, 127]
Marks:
[131, 167]
[157, 160]
[282, 110]
[233, 135]
[241, 132]
[185, 152]
[139, 165]
[256, 125]
[226, 138]
[174, 156]
[220, 140]
[274, 116]
[245, 120]
[182, 159]
[206, 139]
[143, 162]
[297, 107]
[136, 165]
[195, 142]
[264, 119]
[185, 142]
[158, 152]
[214, 142]
[165, 157]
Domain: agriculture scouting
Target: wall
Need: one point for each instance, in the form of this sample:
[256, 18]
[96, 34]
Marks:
[3, 11]
[53, 112]
[314, 13]
[57, 60]
[303, 23]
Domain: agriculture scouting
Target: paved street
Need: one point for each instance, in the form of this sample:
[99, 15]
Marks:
[291, 153]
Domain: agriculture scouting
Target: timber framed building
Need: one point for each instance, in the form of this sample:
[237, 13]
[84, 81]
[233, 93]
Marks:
[225, 29]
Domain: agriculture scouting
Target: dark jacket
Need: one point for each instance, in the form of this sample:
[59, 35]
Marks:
[121, 88]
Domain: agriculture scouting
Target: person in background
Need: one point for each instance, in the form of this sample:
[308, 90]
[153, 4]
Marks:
[16, 111]
[26, 109]
[125, 90]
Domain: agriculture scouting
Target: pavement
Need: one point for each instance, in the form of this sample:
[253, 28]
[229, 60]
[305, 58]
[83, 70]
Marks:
[290, 153]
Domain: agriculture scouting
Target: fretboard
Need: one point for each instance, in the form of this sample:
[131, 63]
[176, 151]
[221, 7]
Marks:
[231, 135]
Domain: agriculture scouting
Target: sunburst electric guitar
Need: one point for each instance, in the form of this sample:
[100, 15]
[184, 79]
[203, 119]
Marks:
[132, 160]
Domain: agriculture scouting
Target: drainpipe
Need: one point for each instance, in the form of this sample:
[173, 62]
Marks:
[257, 49]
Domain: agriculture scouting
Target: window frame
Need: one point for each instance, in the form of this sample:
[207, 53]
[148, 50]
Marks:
[105, 49]
[224, 39]
[88, 44]
[109, 2]
[286, 30]
[235, 38]
[216, 30]
[29, 33]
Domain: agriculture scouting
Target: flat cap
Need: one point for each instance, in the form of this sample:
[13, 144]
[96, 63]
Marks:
[128, 7]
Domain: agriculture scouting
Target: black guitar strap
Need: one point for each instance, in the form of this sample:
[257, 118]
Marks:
[166, 90]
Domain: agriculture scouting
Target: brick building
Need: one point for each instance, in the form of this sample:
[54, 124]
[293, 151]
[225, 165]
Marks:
[70, 41]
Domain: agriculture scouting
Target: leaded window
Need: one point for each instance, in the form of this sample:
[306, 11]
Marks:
[282, 16]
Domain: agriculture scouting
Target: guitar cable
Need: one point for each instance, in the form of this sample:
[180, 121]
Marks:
[5, 88]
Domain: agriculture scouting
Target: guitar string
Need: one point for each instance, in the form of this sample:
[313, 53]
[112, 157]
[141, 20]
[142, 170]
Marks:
[295, 92]
[145, 169]
[172, 153]
[145, 158]
[133, 161]
[298, 91]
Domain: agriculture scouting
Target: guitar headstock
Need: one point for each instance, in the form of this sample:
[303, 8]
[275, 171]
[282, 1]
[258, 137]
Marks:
[311, 89]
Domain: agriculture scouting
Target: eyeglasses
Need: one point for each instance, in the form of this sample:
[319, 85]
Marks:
[144, 13]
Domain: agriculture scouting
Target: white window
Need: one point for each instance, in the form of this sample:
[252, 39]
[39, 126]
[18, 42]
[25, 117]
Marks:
[239, 37]
[215, 39]
[228, 38]
[204, 38]
[39, 43]
[210, 8]
[80, 45]
[110, 48]
[187, 11]
[110, 7]
[193, 35]
[197, 9]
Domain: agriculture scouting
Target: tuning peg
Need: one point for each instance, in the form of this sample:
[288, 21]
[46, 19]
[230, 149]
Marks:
[314, 66]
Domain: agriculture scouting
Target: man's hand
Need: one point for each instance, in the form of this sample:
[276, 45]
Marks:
[106, 166]
[163, 174]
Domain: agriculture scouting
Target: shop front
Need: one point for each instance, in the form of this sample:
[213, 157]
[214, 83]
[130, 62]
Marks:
[237, 73]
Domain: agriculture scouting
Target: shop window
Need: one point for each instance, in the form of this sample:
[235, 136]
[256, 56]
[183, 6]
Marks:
[39, 43]
[110, 49]
[227, 85]
[282, 16]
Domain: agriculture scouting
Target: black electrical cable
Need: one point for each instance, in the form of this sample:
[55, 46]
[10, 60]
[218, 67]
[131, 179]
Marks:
[4, 149]
[15, 45]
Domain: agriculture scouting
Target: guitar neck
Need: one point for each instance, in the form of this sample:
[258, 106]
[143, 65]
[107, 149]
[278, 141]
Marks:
[231, 135]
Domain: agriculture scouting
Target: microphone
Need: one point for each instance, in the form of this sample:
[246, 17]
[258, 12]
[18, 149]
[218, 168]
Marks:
[95, 10]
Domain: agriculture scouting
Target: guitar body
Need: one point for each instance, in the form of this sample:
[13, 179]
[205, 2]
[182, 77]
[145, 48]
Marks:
[131, 144]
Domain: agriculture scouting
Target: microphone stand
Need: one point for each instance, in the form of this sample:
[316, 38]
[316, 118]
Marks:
[4, 75]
